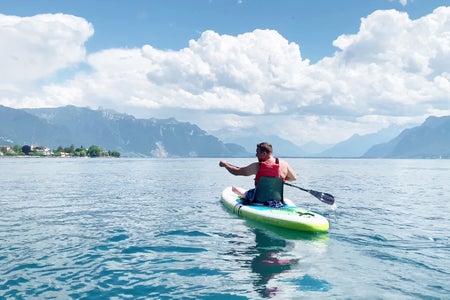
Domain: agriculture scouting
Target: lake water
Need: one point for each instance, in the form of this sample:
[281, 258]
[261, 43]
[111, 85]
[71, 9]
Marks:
[155, 229]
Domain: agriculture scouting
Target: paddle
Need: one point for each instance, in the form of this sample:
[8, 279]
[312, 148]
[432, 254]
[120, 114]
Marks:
[324, 197]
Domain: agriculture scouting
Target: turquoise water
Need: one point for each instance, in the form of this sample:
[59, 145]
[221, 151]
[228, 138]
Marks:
[155, 229]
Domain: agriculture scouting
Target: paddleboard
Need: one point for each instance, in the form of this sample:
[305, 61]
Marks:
[289, 216]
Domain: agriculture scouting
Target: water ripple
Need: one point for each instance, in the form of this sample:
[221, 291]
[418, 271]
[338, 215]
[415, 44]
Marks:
[155, 229]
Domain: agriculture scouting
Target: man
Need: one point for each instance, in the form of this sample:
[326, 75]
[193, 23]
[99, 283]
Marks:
[267, 165]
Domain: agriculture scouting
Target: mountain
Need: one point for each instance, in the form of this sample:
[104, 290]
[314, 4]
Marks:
[70, 125]
[429, 140]
[281, 147]
[315, 148]
[357, 145]
[18, 127]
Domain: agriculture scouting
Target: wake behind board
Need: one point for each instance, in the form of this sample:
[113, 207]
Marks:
[289, 216]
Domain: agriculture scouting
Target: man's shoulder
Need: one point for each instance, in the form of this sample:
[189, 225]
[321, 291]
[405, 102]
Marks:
[282, 162]
[255, 164]
[252, 165]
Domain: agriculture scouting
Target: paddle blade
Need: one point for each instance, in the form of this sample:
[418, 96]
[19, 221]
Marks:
[324, 197]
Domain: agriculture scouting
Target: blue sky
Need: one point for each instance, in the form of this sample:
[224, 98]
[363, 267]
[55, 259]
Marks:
[305, 70]
[170, 24]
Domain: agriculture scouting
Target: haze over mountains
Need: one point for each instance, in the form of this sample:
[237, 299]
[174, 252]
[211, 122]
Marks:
[70, 125]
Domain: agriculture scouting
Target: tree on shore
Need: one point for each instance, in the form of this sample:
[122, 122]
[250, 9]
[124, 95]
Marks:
[18, 150]
[26, 149]
[92, 151]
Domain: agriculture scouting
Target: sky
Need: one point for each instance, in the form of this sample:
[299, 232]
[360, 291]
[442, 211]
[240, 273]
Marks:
[318, 71]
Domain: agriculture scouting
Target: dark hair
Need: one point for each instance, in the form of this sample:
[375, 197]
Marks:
[264, 147]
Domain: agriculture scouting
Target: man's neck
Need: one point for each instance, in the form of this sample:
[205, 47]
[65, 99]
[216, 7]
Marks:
[270, 159]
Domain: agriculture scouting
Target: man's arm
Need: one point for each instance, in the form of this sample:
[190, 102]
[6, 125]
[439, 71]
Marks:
[290, 176]
[240, 171]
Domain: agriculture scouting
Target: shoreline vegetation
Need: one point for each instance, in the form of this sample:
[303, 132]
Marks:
[42, 151]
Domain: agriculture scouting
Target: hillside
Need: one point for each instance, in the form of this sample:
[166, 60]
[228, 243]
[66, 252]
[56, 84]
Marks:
[70, 125]
[429, 140]
[357, 145]
[282, 148]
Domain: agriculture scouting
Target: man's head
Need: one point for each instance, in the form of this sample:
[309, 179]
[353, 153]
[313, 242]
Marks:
[263, 151]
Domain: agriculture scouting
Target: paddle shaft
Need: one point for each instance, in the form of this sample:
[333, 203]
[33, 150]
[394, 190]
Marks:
[324, 197]
[300, 188]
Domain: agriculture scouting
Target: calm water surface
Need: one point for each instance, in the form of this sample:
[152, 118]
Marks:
[155, 229]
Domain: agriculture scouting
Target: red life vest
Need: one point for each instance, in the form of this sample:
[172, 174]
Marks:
[268, 169]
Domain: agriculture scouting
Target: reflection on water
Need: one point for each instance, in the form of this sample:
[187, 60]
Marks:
[268, 262]
[276, 261]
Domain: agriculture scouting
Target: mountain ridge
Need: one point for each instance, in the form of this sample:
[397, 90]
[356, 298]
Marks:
[81, 126]
[431, 139]
[70, 125]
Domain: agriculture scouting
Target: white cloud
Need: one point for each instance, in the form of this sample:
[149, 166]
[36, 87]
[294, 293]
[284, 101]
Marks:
[36, 47]
[394, 70]
[393, 62]
[227, 72]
